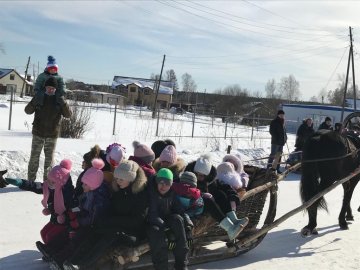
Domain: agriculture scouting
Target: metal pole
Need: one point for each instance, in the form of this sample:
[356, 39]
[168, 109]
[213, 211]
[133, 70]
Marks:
[114, 119]
[11, 101]
[252, 129]
[193, 126]
[228, 149]
[212, 119]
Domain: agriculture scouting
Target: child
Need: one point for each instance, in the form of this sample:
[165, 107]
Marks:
[239, 168]
[159, 146]
[112, 157]
[57, 193]
[206, 176]
[169, 159]
[144, 157]
[93, 206]
[125, 225]
[167, 219]
[225, 195]
[51, 70]
[205, 172]
[188, 194]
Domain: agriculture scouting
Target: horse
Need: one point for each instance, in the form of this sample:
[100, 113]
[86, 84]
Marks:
[327, 157]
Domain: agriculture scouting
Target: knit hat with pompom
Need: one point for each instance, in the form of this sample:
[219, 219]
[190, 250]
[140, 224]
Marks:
[59, 174]
[51, 64]
[94, 176]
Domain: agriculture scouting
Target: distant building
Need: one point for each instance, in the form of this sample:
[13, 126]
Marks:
[96, 97]
[143, 91]
[296, 113]
[10, 78]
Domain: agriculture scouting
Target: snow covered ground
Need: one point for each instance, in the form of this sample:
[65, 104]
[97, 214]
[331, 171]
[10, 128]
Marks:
[283, 248]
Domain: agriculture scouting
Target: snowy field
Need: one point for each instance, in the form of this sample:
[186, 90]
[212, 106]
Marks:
[283, 248]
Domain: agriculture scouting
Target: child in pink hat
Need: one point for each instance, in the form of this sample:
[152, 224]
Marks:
[94, 205]
[169, 159]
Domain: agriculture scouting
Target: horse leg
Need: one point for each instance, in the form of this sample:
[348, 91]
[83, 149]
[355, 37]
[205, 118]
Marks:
[310, 229]
[346, 213]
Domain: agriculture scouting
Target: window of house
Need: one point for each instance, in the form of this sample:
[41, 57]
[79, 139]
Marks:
[146, 91]
[12, 77]
[133, 89]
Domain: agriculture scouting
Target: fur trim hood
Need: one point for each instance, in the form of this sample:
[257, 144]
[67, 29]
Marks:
[137, 186]
[236, 160]
[176, 168]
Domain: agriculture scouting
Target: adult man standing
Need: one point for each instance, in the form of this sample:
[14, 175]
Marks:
[326, 124]
[304, 131]
[278, 139]
[46, 126]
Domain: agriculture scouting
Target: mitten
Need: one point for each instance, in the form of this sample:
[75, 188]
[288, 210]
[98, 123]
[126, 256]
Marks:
[189, 236]
[170, 239]
[46, 211]
[14, 181]
[60, 219]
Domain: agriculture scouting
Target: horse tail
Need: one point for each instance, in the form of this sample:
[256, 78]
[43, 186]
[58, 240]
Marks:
[309, 183]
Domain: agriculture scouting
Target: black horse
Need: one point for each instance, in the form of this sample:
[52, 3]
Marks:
[343, 157]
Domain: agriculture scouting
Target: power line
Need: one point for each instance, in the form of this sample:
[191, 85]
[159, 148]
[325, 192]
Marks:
[336, 67]
[251, 24]
[229, 25]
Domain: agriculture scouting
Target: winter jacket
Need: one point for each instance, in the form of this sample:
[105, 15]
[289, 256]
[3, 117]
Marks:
[47, 117]
[231, 193]
[323, 125]
[278, 132]
[203, 185]
[148, 169]
[162, 206]
[177, 168]
[41, 79]
[128, 208]
[190, 198]
[303, 132]
[94, 205]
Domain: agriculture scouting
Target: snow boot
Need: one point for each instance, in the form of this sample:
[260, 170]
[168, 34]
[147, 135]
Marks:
[231, 229]
[44, 251]
[232, 216]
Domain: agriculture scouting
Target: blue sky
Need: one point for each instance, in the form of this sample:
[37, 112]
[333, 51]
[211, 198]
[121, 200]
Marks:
[218, 42]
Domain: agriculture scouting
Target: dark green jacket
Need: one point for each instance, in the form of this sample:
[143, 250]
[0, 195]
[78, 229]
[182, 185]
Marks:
[47, 117]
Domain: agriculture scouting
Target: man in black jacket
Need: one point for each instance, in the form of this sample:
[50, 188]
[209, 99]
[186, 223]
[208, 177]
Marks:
[304, 131]
[326, 124]
[278, 138]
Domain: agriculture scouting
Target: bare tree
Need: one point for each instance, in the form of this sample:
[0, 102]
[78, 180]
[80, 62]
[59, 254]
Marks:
[289, 88]
[270, 88]
[233, 90]
[336, 96]
[189, 85]
[171, 76]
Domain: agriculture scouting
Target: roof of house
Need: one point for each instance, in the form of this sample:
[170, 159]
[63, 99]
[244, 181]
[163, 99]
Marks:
[165, 86]
[4, 72]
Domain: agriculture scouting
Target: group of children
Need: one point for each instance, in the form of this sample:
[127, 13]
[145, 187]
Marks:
[151, 195]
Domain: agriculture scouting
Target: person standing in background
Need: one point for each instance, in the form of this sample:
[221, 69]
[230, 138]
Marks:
[278, 139]
[46, 126]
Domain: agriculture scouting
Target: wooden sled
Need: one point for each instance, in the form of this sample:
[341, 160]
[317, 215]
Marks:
[210, 241]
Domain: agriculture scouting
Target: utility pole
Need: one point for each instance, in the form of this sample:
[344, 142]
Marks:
[157, 88]
[22, 89]
[350, 58]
